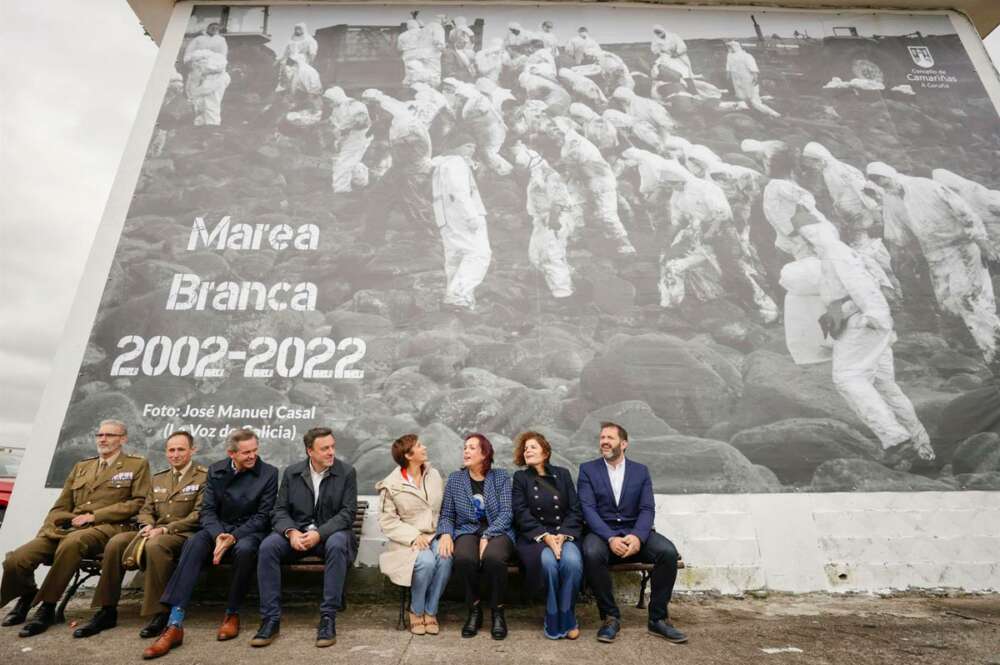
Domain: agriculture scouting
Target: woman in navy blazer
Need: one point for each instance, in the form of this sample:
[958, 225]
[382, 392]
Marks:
[475, 526]
[549, 528]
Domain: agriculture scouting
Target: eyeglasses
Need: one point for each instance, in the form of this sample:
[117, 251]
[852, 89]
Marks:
[105, 435]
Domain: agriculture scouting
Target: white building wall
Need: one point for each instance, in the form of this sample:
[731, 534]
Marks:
[836, 542]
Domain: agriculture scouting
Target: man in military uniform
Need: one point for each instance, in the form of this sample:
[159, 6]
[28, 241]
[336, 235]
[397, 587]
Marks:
[168, 517]
[99, 498]
[235, 516]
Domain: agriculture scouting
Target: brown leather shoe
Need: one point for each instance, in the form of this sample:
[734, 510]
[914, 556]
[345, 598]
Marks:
[230, 628]
[172, 637]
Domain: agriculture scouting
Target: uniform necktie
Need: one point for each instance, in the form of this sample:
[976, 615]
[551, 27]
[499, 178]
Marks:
[176, 481]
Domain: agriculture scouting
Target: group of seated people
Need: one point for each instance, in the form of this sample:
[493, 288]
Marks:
[235, 512]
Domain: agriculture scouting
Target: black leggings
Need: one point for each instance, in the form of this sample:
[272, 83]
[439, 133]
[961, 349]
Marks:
[494, 564]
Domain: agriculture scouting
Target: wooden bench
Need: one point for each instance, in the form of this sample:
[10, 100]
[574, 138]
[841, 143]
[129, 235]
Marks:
[91, 567]
[644, 569]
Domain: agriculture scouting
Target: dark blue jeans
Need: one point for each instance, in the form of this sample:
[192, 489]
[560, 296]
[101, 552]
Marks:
[337, 552]
[562, 584]
[196, 553]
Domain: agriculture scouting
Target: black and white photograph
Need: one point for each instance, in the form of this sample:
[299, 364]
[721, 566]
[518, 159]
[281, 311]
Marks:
[766, 243]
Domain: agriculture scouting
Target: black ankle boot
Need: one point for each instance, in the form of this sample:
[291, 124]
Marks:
[20, 612]
[499, 629]
[474, 622]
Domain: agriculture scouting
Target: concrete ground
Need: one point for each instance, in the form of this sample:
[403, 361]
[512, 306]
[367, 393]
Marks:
[802, 629]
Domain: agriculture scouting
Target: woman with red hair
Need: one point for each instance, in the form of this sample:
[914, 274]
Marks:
[476, 528]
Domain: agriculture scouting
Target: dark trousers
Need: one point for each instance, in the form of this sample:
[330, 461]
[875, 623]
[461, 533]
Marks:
[467, 567]
[337, 552]
[657, 550]
[196, 553]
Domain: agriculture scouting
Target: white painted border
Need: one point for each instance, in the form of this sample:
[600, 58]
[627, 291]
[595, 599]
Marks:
[788, 542]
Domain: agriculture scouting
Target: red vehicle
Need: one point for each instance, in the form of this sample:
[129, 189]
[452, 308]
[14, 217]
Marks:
[10, 460]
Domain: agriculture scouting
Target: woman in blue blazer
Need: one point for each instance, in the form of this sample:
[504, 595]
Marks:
[475, 528]
[549, 529]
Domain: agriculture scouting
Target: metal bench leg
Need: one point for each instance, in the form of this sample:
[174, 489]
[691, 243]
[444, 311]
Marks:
[404, 593]
[70, 592]
[642, 590]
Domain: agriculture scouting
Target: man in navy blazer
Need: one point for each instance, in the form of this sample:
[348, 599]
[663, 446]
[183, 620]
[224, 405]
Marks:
[235, 516]
[313, 516]
[616, 497]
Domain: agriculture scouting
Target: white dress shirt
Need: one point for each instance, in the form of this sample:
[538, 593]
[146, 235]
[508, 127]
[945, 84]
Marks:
[616, 474]
[317, 478]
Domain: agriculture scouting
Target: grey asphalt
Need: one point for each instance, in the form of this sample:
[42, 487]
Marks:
[796, 629]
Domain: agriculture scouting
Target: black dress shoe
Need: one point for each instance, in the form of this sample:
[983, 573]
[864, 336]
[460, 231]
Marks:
[474, 621]
[269, 629]
[326, 631]
[609, 630]
[155, 626]
[664, 629]
[106, 617]
[44, 617]
[20, 612]
[499, 629]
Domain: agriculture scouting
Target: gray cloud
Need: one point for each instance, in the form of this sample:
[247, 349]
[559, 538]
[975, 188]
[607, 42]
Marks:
[70, 101]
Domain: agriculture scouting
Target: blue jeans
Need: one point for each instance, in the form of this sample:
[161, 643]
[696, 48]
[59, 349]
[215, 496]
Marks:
[430, 575]
[562, 584]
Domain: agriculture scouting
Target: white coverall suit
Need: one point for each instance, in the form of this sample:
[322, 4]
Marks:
[855, 205]
[421, 49]
[592, 176]
[491, 60]
[584, 88]
[485, 123]
[300, 44]
[539, 87]
[744, 74]
[596, 128]
[653, 125]
[689, 267]
[350, 121]
[461, 220]
[984, 202]
[863, 370]
[675, 50]
[953, 240]
[206, 85]
[554, 218]
[582, 48]
[742, 187]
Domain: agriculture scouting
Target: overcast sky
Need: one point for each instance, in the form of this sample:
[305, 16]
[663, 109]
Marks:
[72, 76]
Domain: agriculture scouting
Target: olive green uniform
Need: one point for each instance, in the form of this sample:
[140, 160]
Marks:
[113, 495]
[172, 503]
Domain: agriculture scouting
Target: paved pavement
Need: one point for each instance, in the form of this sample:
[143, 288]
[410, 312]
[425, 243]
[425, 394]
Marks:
[796, 629]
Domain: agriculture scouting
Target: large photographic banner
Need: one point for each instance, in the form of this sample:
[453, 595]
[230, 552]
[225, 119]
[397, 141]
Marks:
[768, 244]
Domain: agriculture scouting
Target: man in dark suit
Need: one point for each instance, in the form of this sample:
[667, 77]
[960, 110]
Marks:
[313, 516]
[616, 497]
[235, 516]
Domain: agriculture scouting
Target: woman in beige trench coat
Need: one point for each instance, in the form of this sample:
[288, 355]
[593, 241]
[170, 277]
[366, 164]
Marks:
[410, 500]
